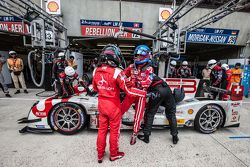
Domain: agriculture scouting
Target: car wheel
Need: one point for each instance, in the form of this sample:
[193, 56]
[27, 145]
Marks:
[67, 118]
[208, 119]
[87, 78]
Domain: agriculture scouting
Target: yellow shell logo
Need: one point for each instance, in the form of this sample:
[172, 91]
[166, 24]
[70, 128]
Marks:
[53, 6]
[165, 14]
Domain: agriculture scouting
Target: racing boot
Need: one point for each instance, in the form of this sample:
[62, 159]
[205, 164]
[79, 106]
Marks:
[175, 139]
[100, 158]
[119, 155]
[133, 139]
[144, 138]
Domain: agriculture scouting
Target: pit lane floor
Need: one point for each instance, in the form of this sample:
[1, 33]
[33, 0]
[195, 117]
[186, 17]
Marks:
[193, 149]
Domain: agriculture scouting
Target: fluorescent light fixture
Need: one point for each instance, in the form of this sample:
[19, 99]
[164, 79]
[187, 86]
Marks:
[127, 46]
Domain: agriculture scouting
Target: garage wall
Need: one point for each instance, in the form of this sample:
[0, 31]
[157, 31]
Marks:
[147, 13]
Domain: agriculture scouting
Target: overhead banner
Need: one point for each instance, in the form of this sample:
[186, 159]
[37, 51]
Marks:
[13, 24]
[101, 28]
[53, 7]
[212, 36]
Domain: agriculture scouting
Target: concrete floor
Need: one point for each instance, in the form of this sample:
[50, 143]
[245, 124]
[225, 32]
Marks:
[193, 149]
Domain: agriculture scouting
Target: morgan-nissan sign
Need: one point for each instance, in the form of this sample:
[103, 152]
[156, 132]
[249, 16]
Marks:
[101, 28]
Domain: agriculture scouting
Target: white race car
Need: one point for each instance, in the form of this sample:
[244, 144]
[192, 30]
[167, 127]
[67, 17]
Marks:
[70, 115]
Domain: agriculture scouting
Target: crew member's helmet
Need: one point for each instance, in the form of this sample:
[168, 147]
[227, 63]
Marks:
[69, 71]
[61, 55]
[142, 54]
[184, 63]
[211, 63]
[12, 52]
[111, 55]
[173, 63]
[225, 66]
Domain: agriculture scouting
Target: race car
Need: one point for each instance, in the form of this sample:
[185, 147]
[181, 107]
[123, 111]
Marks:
[70, 115]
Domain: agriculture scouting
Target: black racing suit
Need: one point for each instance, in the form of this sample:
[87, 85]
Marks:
[58, 67]
[164, 98]
[216, 78]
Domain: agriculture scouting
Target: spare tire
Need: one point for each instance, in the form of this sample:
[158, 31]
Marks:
[87, 78]
[179, 94]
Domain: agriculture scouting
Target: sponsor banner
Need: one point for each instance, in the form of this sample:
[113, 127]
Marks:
[189, 85]
[164, 13]
[246, 79]
[101, 28]
[212, 36]
[13, 24]
[53, 7]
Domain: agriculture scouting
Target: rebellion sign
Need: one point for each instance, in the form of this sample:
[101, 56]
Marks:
[102, 28]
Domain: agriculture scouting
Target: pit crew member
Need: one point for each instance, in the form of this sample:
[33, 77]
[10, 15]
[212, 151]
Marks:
[66, 79]
[172, 73]
[226, 83]
[162, 96]
[184, 71]
[215, 75]
[58, 66]
[107, 81]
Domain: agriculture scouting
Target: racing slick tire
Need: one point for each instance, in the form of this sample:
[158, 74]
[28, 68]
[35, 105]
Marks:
[208, 119]
[87, 78]
[67, 118]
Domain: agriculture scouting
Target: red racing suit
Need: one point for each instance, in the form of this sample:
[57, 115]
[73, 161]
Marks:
[66, 84]
[141, 78]
[184, 72]
[108, 81]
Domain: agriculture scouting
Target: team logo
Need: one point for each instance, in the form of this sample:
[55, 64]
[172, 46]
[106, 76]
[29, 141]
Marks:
[101, 82]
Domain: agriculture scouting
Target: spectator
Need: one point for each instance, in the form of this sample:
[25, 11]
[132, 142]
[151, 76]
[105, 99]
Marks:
[184, 71]
[3, 85]
[206, 75]
[236, 74]
[172, 73]
[15, 66]
[71, 62]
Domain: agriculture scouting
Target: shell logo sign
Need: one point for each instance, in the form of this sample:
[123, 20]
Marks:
[164, 13]
[53, 7]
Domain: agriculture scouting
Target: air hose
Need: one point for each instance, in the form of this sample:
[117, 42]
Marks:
[33, 53]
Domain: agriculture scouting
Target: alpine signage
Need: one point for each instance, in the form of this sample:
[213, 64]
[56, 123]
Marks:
[103, 28]
[212, 36]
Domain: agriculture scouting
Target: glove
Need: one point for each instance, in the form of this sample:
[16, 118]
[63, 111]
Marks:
[153, 95]
[91, 93]
[65, 94]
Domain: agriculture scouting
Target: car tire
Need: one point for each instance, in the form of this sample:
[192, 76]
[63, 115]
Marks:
[67, 118]
[208, 119]
[87, 78]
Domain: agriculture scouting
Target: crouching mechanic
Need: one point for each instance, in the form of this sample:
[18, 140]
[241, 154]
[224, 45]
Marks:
[161, 96]
[66, 79]
[107, 81]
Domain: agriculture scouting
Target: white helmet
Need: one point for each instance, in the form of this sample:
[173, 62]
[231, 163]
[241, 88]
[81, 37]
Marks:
[184, 63]
[211, 63]
[225, 66]
[173, 63]
[61, 54]
[69, 71]
[12, 52]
